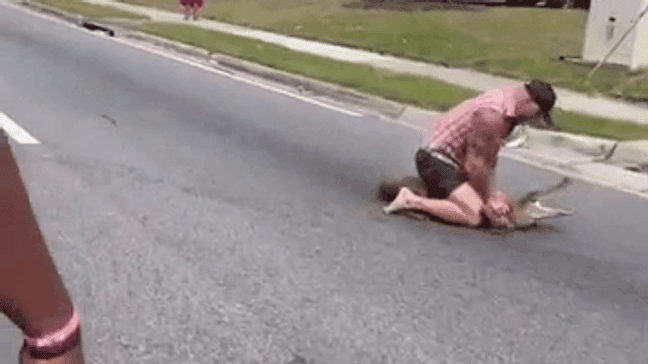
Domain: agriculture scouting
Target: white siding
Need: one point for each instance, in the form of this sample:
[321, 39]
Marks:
[607, 21]
[640, 49]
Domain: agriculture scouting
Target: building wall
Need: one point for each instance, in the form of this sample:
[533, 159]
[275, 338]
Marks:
[606, 24]
[640, 49]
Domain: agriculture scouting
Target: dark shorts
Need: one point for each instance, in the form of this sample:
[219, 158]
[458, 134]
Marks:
[439, 177]
[191, 2]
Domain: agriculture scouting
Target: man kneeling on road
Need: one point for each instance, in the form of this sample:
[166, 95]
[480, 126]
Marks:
[458, 160]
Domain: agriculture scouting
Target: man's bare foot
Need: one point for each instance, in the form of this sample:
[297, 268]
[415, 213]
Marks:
[402, 201]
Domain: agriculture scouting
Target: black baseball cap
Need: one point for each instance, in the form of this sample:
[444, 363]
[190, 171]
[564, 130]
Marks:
[545, 96]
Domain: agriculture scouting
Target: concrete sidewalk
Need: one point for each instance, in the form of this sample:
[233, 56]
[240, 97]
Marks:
[567, 100]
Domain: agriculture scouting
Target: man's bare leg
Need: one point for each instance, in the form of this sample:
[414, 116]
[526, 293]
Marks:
[463, 206]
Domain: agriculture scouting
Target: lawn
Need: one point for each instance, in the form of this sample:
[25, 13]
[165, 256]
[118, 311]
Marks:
[93, 11]
[521, 43]
[422, 92]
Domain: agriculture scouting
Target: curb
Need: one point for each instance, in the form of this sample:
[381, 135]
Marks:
[316, 88]
[178, 47]
[583, 144]
[121, 24]
[631, 154]
[303, 84]
[73, 18]
[80, 20]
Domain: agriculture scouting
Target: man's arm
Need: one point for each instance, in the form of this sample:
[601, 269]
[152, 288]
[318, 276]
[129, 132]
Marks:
[481, 146]
[498, 206]
[479, 175]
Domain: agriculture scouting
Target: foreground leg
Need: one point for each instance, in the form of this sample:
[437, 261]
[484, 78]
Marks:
[32, 294]
[186, 11]
[72, 356]
[196, 9]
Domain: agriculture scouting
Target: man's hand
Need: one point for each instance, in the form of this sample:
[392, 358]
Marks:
[500, 203]
[499, 210]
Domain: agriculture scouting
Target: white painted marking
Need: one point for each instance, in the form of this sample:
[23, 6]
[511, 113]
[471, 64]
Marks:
[14, 130]
[237, 78]
[411, 126]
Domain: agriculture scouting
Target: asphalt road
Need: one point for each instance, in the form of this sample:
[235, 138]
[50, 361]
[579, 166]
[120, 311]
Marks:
[199, 219]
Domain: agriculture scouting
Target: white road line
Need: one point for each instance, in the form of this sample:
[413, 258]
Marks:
[408, 125]
[151, 49]
[14, 130]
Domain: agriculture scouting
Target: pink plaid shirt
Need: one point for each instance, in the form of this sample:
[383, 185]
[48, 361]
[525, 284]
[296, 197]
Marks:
[449, 134]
